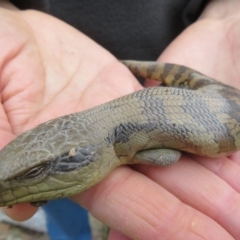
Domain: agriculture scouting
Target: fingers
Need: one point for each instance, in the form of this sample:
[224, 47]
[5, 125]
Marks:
[138, 207]
[226, 169]
[115, 235]
[201, 189]
[20, 212]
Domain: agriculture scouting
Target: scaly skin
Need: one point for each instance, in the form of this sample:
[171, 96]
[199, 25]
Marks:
[72, 153]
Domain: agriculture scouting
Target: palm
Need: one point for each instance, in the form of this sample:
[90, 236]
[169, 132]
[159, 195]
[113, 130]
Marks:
[59, 71]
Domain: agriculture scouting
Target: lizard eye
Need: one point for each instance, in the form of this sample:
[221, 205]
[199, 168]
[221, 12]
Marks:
[32, 173]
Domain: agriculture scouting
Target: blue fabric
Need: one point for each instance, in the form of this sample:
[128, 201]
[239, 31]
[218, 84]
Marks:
[66, 220]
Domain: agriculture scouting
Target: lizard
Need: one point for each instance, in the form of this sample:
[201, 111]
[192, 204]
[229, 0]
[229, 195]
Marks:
[189, 112]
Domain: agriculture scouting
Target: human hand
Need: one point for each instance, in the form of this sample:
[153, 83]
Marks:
[211, 186]
[49, 69]
[181, 201]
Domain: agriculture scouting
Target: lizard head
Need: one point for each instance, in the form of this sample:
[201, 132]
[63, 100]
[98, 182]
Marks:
[51, 161]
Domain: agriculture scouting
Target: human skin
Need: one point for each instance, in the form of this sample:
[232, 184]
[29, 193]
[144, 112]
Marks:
[46, 74]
